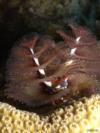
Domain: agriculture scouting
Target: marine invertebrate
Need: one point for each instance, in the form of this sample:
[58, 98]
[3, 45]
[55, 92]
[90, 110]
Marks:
[33, 123]
[43, 72]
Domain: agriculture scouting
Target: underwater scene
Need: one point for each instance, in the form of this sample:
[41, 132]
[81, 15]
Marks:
[49, 66]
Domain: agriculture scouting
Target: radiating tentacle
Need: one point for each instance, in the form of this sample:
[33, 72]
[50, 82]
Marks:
[81, 31]
[67, 39]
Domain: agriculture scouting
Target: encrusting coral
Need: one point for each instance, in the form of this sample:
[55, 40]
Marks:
[81, 117]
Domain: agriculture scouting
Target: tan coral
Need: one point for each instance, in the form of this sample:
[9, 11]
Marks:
[81, 117]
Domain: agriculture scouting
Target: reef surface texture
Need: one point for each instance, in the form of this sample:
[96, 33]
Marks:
[81, 117]
[48, 11]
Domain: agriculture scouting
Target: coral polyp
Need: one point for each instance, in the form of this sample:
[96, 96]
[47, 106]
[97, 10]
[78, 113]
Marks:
[41, 71]
[81, 117]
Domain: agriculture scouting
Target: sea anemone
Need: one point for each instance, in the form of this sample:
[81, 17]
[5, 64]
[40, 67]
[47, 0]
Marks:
[43, 72]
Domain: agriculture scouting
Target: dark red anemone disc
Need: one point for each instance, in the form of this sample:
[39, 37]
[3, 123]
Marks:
[36, 62]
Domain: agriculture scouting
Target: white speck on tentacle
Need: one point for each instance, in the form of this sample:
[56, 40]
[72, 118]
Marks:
[78, 39]
[62, 98]
[58, 87]
[35, 58]
[65, 100]
[66, 79]
[41, 71]
[36, 61]
[32, 51]
[72, 52]
[48, 83]
[68, 63]
[63, 84]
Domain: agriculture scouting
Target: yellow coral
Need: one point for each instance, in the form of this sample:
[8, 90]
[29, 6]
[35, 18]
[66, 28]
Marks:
[81, 117]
